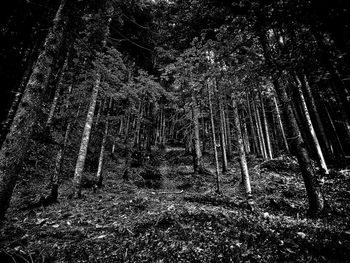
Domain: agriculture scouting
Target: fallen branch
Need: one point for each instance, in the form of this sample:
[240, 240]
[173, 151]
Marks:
[179, 192]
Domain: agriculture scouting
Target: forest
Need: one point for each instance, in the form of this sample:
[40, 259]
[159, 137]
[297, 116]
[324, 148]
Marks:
[175, 131]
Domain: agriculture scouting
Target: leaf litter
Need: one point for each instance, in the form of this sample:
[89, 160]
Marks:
[185, 220]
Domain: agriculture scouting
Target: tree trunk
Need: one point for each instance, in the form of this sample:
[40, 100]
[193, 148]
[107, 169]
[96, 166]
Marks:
[57, 94]
[255, 139]
[16, 142]
[313, 189]
[15, 103]
[99, 174]
[85, 139]
[157, 140]
[241, 151]
[204, 133]
[127, 127]
[302, 123]
[214, 140]
[336, 141]
[260, 131]
[228, 134]
[138, 124]
[266, 128]
[278, 116]
[245, 135]
[319, 152]
[121, 126]
[312, 104]
[56, 176]
[222, 132]
[197, 160]
[99, 105]
[55, 180]
[163, 129]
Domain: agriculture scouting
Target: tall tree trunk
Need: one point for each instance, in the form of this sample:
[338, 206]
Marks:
[260, 131]
[255, 139]
[138, 124]
[18, 96]
[266, 128]
[245, 135]
[159, 117]
[197, 160]
[204, 133]
[313, 109]
[321, 160]
[121, 126]
[222, 131]
[302, 123]
[55, 180]
[56, 176]
[79, 167]
[99, 174]
[163, 128]
[214, 140]
[127, 126]
[228, 134]
[57, 93]
[279, 119]
[101, 107]
[15, 145]
[313, 189]
[241, 151]
[336, 141]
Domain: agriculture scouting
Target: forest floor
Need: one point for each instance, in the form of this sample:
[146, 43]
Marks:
[184, 220]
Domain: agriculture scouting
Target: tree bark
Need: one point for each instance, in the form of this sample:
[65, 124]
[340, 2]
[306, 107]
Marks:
[228, 134]
[260, 131]
[321, 160]
[302, 123]
[214, 140]
[16, 142]
[313, 109]
[127, 126]
[255, 139]
[197, 162]
[313, 189]
[222, 131]
[245, 138]
[99, 174]
[57, 94]
[56, 176]
[99, 105]
[55, 180]
[163, 129]
[278, 116]
[266, 128]
[18, 96]
[241, 151]
[85, 139]
[138, 124]
[336, 140]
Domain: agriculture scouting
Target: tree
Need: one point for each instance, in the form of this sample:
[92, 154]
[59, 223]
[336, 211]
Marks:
[14, 147]
[242, 157]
